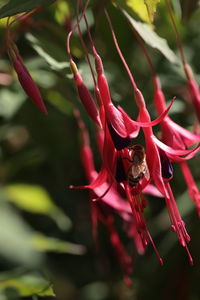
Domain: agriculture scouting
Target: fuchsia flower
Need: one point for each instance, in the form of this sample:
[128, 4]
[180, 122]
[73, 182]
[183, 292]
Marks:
[103, 210]
[23, 74]
[178, 138]
[114, 201]
[116, 180]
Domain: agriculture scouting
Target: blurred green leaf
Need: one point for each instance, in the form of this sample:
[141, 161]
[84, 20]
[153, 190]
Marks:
[55, 57]
[14, 7]
[35, 199]
[44, 243]
[27, 285]
[152, 39]
[8, 106]
[95, 291]
[14, 234]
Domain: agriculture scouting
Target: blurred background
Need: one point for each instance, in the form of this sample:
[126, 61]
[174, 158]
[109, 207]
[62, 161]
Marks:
[46, 245]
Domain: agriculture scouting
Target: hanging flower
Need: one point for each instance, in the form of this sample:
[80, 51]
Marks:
[23, 74]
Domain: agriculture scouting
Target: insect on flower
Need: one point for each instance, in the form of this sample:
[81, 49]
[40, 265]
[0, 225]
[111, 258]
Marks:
[138, 169]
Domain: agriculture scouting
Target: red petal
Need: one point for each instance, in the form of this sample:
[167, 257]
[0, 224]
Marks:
[99, 180]
[116, 119]
[145, 124]
[172, 151]
[190, 137]
[152, 190]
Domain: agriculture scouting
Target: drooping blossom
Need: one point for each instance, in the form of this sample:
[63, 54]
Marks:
[104, 210]
[179, 138]
[173, 134]
[119, 132]
[154, 149]
[23, 74]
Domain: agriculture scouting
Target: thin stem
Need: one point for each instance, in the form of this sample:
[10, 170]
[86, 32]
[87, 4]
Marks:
[83, 43]
[17, 18]
[89, 35]
[178, 40]
[74, 28]
[142, 45]
[119, 51]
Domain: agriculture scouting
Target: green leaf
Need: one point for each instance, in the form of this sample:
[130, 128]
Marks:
[14, 234]
[151, 8]
[3, 2]
[35, 199]
[152, 39]
[52, 54]
[27, 285]
[14, 7]
[134, 7]
[43, 243]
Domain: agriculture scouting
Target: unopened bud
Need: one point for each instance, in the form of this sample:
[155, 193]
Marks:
[73, 67]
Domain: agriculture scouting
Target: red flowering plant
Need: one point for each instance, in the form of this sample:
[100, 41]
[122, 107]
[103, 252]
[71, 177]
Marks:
[173, 134]
[128, 167]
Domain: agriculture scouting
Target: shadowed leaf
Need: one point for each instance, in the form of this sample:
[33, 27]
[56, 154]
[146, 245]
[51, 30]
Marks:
[27, 285]
[14, 7]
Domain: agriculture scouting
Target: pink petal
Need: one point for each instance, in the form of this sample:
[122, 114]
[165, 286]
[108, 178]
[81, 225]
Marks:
[151, 189]
[132, 123]
[172, 151]
[98, 181]
[116, 119]
[190, 137]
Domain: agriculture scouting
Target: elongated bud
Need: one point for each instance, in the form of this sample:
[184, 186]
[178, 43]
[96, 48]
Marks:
[26, 80]
[84, 95]
[102, 81]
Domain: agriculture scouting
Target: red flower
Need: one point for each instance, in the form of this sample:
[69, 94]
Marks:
[178, 138]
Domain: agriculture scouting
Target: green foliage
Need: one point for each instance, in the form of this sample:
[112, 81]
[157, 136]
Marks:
[152, 39]
[14, 7]
[25, 285]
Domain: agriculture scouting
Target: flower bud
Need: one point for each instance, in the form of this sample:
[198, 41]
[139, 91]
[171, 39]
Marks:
[26, 80]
